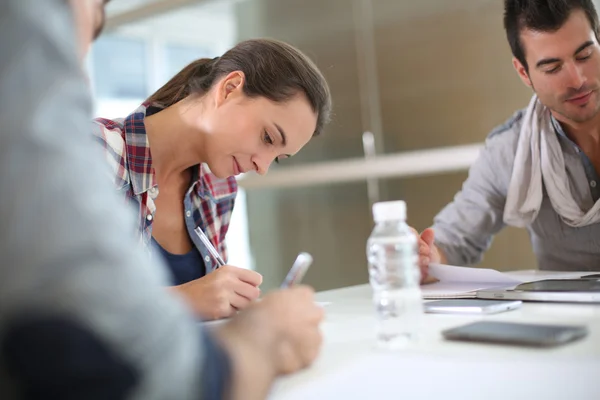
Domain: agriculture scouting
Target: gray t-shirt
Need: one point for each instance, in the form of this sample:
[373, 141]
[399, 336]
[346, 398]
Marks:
[464, 228]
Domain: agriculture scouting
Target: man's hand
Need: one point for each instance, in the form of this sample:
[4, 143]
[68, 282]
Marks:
[278, 335]
[222, 292]
[428, 251]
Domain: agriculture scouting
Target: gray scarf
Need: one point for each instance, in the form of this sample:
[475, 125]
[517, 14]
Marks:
[540, 159]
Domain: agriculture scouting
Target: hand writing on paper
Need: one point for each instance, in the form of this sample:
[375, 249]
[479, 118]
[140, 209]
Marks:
[278, 335]
[221, 293]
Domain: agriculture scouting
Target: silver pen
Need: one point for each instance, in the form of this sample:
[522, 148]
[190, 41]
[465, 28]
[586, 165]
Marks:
[294, 276]
[298, 270]
[211, 249]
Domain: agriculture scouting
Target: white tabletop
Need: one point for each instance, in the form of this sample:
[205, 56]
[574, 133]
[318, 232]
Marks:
[350, 367]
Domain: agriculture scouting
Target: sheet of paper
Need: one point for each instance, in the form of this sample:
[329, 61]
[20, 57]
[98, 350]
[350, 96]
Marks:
[450, 273]
[463, 282]
[451, 289]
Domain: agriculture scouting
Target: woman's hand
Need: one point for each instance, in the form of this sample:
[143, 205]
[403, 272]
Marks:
[222, 292]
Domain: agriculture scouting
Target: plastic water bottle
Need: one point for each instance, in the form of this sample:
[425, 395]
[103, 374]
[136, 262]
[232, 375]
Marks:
[394, 276]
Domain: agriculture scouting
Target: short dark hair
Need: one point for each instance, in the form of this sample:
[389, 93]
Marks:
[541, 16]
[273, 69]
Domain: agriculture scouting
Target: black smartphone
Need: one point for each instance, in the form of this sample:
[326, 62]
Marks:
[516, 333]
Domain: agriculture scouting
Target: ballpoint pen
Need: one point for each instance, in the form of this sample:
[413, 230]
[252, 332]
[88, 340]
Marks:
[294, 276]
[211, 249]
[299, 268]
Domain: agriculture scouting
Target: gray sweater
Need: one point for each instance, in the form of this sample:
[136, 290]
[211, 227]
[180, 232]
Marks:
[464, 229]
[83, 311]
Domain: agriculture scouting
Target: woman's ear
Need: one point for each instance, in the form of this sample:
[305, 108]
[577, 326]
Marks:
[230, 87]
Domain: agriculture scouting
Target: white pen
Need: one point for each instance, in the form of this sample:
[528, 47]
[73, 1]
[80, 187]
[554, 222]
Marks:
[299, 268]
[211, 249]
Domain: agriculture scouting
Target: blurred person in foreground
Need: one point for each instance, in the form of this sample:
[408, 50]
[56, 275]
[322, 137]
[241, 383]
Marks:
[83, 314]
[539, 170]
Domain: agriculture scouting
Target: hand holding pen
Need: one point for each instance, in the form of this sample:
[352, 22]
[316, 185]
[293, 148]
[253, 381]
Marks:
[294, 276]
[231, 288]
[209, 246]
[298, 270]
[222, 292]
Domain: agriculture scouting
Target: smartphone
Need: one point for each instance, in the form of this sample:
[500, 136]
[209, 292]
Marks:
[516, 333]
[471, 306]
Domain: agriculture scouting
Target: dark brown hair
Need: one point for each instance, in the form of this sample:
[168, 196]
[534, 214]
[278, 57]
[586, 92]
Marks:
[272, 69]
[541, 16]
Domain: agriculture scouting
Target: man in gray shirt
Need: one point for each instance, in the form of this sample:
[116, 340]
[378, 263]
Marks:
[540, 169]
[82, 315]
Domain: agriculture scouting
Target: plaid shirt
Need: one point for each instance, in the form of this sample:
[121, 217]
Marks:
[208, 202]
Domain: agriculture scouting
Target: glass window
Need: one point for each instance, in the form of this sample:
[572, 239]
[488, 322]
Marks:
[178, 56]
[119, 68]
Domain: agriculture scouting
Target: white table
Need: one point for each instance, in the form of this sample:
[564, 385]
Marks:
[350, 367]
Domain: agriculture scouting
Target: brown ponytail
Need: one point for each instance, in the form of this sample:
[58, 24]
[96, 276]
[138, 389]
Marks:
[272, 69]
[181, 85]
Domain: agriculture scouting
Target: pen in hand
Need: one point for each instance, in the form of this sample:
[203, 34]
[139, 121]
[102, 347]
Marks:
[211, 249]
[294, 276]
[298, 270]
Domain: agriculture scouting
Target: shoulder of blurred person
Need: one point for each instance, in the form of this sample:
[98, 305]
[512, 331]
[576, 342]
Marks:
[75, 290]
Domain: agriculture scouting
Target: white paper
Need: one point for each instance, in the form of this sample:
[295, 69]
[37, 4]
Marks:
[456, 282]
[451, 289]
[450, 273]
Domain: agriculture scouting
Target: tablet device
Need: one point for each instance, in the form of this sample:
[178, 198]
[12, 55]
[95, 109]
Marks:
[554, 290]
[516, 333]
[561, 285]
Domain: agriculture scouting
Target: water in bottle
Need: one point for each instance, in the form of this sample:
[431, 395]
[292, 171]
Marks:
[394, 276]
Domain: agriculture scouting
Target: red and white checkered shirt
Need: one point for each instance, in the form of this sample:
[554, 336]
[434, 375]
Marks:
[208, 203]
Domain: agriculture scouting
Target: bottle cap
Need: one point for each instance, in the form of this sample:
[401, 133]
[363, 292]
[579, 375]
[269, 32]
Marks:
[389, 211]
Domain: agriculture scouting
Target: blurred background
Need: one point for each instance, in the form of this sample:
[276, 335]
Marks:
[429, 79]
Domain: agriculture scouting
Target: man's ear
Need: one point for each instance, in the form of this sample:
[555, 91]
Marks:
[522, 71]
[230, 86]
